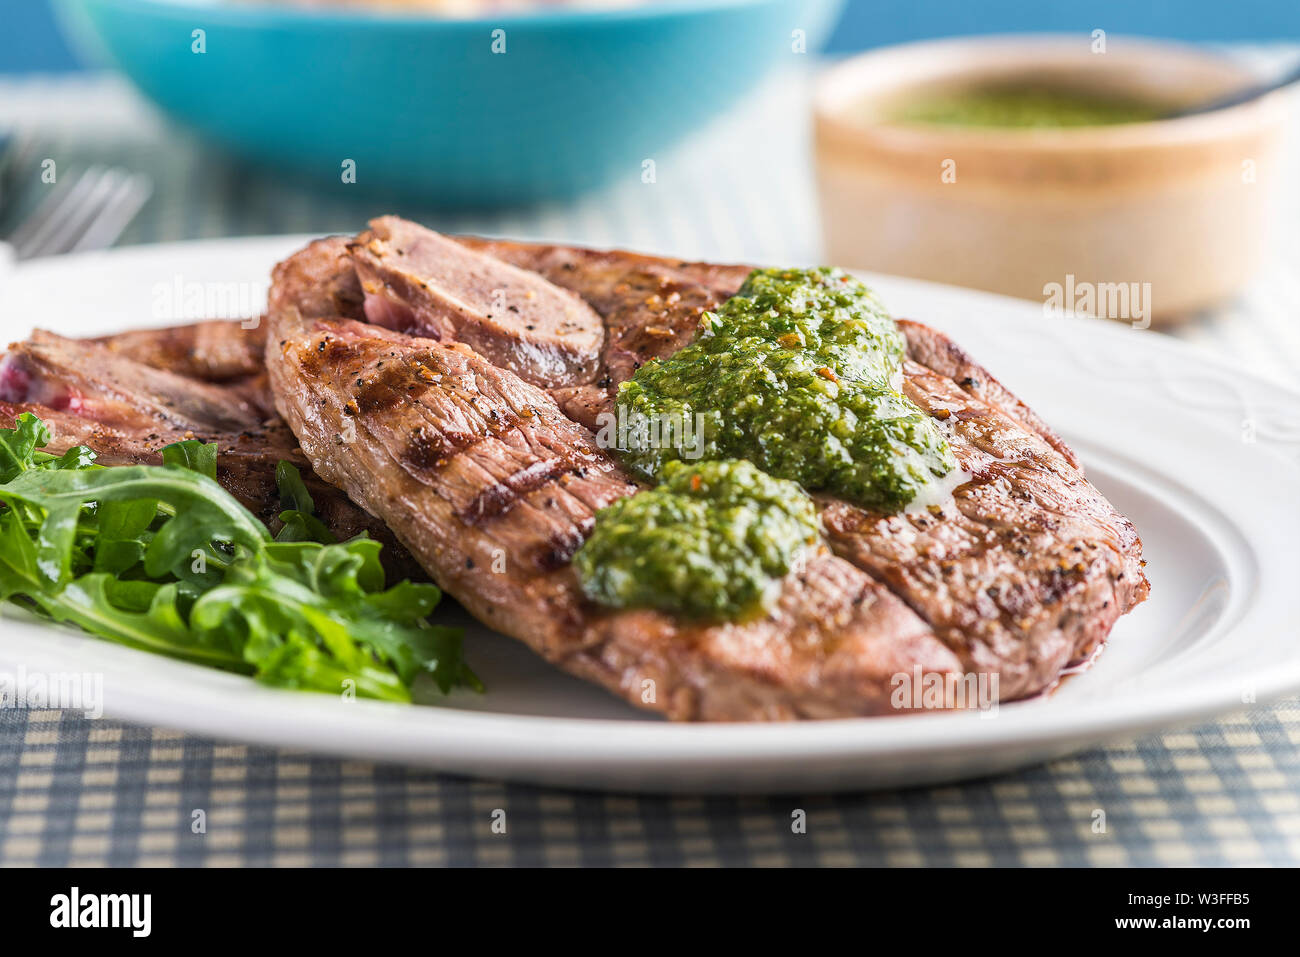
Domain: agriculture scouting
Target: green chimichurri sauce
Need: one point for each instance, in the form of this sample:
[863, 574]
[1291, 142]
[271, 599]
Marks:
[797, 373]
[710, 542]
[1022, 107]
[794, 379]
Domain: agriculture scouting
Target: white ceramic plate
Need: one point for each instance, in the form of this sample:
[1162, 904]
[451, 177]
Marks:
[1202, 457]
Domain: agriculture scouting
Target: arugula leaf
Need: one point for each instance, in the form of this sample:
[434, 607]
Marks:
[162, 559]
[18, 573]
[201, 512]
[20, 449]
[123, 533]
[299, 516]
[89, 602]
[18, 445]
[293, 491]
[194, 455]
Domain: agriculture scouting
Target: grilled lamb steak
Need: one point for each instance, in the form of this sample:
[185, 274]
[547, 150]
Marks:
[98, 393]
[493, 489]
[1021, 574]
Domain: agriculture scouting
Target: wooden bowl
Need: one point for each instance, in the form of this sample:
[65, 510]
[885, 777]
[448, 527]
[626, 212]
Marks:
[1082, 217]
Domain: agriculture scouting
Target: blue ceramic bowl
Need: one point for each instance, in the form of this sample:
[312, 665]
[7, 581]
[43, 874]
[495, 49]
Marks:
[426, 109]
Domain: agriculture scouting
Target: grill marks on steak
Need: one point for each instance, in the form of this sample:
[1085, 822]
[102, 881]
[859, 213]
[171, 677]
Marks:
[107, 394]
[1022, 573]
[493, 488]
[937, 353]
[454, 427]
[1028, 567]
[648, 307]
[420, 282]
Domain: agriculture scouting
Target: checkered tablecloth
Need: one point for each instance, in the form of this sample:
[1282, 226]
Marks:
[81, 792]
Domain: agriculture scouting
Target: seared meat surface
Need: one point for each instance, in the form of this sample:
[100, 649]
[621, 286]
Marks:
[217, 350]
[109, 395]
[492, 488]
[227, 353]
[467, 429]
[419, 282]
[650, 307]
[92, 380]
[1027, 568]
[1021, 573]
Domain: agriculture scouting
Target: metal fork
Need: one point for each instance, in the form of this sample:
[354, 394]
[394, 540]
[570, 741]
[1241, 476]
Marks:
[88, 214]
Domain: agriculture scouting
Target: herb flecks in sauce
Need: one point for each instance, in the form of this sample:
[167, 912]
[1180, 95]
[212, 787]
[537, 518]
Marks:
[1022, 108]
[799, 374]
[712, 541]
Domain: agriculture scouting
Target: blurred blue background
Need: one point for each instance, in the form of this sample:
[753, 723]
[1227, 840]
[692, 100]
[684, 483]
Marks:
[31, 41]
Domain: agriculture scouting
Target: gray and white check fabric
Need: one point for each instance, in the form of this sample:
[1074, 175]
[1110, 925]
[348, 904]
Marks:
[80, 792]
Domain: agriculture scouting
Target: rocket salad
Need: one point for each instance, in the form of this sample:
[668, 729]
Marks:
[162, 558]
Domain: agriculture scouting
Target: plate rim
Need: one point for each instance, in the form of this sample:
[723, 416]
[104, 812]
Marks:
[633, 743]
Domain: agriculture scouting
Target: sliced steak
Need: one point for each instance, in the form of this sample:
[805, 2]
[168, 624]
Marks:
[225, 352]
[420, 282]
[651, 307]
[493, 489]
[321, 280]
[218, 350]
[91, 393]
[90, 379]
[1024, 573]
